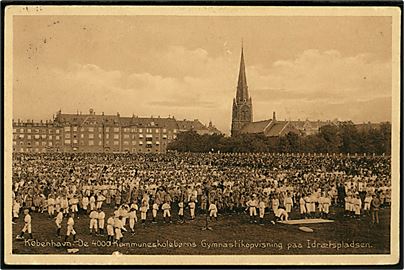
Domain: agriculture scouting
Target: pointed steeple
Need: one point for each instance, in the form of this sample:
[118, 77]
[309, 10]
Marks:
[242, 109]
[242, 89]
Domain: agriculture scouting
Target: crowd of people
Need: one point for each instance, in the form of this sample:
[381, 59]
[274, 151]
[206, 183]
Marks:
[117, 191]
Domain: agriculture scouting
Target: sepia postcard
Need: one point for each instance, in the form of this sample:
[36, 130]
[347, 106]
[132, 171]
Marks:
[202, 135]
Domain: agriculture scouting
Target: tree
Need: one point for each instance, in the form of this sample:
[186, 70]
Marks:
[331, 135]
[350, 138]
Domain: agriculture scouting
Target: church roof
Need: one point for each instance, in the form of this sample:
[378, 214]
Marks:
[255, 127]
[269, 128]
[276, 129]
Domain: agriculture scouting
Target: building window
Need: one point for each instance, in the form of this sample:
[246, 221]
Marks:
[91, 129]
[57, 137]
[140, 142]
[126, 136]
[116, 142]
[82, 129]
[43, 136]
[37, 137]
[164, 136]
[157, 143]
[74, 141]
[43, 143]
[67, 141]
[82, 136]
[36, 143]
[99, 129]
[174, 130]
[22, 130]
[29, 137]
[50, 137]
[50, 143]
[67, 129]
[116, 136]
[67, 136]
[91, 142]
[91, 136]
[107, 129]
[107, 136]
[116, 129]
[140, 136]
[140, 130]
[28, 130]
[21, 136]
[99, 136]
[134, 130]
[57, 131]
[126, 143]
[14, 130]
[148, 130]
[126, 129]
[149, 139]
[174, 136]
[36, 130]
[74, 128]
[157, 130]
[164, 130]
[14, 143]
[133, 142]
[99, 142]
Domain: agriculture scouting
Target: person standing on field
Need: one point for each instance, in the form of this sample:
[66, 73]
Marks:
[70, 228]
[375, 208]
[58, 222]
[27, 225]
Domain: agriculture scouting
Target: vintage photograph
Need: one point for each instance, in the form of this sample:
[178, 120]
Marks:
[204, 135]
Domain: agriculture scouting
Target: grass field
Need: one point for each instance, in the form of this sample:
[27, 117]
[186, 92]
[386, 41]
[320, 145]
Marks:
[231, 234]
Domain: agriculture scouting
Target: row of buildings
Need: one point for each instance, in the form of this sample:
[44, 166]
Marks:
[101, 133]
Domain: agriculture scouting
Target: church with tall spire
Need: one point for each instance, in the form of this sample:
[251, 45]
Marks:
[242, 112]
[242, 109]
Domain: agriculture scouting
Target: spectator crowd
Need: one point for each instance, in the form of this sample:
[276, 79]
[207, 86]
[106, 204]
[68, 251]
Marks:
[118, 191]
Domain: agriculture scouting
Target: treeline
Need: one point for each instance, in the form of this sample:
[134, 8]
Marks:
[344, 138]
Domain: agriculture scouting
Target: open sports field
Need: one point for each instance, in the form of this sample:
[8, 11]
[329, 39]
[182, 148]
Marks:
[231, 234]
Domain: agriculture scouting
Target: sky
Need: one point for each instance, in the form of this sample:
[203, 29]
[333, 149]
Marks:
[316, 68]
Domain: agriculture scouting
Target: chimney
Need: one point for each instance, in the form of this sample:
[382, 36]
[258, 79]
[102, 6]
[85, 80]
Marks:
[118, 114]
[102, 113]
[274, 116]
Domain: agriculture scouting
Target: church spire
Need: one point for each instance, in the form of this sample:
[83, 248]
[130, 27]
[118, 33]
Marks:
[242, 89]
[242, 111]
